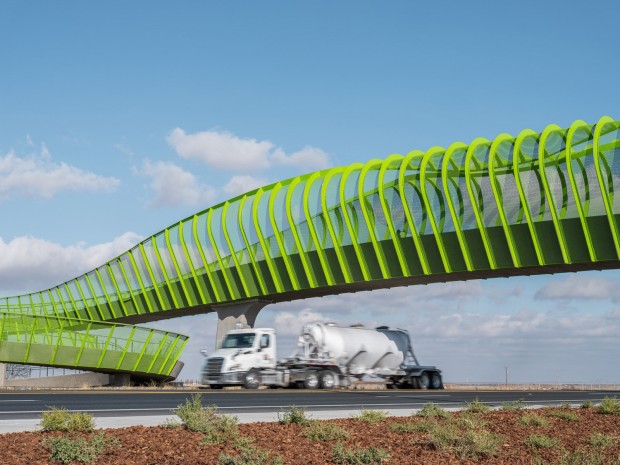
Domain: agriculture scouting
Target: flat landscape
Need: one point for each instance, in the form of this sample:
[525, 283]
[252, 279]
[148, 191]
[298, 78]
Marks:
[586, 435]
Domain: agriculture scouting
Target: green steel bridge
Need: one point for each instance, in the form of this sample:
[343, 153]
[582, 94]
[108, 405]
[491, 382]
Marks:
[535, 203]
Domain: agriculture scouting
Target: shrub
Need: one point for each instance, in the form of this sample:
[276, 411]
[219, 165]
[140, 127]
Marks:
[564, 415]
[536, 441]
[404, 427]
[465, 436]
[67, 450]
[60, 419]
[587, 404]
[325, 431]
[584, 457]
[533, 419]
[371, 416]
[423, 426]
[566, 405]
[249, 455]
[294, 415]
[170, 423]
[477, 406]
[601, 440]
[432, 410]
[514, 405]
[217, 428]
[609, 406]
[372, 455]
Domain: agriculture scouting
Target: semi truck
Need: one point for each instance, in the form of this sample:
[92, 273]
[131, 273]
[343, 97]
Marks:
[326, 356]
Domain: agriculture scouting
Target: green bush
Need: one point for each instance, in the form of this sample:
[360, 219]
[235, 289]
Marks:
[587, 404]
[372, 455]
[404, 427]
[609, 406]
[585, 457]
[536, 441]
[601, 440]
[325, 431]
[218, 429]
[477, 406]
[249, 455]
[67, 450]
[465, 436]
[432, 410]
[514, 405]
[533, 419]
[564, 415]
[371, 416]
[294, 415]
[171, 424]
[60, 419]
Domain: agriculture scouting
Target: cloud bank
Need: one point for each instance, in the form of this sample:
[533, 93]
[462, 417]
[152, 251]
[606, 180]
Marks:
[38, 176]
[223, 150]
[29, 264]
[171, 186]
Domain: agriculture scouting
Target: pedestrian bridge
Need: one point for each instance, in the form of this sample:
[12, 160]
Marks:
[517, 205]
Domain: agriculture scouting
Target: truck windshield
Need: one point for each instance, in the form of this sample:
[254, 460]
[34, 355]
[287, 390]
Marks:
[238, 341]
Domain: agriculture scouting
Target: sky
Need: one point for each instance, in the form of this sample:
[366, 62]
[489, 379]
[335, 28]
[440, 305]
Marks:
[118, 119]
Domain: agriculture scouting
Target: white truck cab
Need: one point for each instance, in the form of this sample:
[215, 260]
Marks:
[244, 353]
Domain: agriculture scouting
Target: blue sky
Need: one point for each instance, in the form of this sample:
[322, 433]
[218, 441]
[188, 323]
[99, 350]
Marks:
[119, 118]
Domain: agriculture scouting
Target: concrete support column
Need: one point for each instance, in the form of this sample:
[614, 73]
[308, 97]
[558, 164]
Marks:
[229, 315]
[2, 374]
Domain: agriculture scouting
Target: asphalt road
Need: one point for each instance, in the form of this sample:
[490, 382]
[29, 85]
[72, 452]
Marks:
[267, 403]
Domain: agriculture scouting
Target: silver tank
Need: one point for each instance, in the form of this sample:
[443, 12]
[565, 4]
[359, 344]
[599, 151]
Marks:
[357, 349]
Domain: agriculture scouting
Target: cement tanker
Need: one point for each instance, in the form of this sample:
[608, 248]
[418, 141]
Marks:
[326, 356]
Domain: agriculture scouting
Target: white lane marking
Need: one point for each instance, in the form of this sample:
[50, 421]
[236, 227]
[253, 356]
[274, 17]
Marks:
[407, 397]
[20, 400]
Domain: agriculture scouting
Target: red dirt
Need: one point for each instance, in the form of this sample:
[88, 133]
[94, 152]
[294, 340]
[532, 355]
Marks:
[165, 446]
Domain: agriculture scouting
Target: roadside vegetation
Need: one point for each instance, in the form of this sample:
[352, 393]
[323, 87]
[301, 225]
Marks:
[73, 446]
[477, 434]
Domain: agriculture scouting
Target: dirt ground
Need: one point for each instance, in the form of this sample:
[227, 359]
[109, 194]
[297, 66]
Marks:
[160, 445]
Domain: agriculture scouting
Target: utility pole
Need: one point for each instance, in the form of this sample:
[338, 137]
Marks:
[506, 370]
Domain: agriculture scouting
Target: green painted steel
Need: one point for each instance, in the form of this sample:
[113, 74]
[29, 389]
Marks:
[537, 202]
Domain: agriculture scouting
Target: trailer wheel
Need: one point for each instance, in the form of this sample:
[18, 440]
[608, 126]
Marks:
[311, 380]
[327, 379]
[251, 379]
[436, 381]
[424, 381]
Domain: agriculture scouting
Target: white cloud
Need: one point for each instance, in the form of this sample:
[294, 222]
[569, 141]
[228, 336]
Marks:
[581, 287]
[221, 149]
[173, 186]
[308, 158]
[38, 176]
[242, 184]
[288, 323]
[29, 264]
[224, 150]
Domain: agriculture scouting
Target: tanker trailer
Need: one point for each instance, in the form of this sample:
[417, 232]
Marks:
[356, 351]
[326, 356]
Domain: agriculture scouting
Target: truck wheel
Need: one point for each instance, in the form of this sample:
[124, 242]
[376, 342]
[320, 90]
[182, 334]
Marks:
[424, 381]
[436, 381]
[311, 380]
[327, 379]
[251, 379]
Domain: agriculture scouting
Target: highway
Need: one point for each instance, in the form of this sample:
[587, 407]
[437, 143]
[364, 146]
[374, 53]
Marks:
[21, 410]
